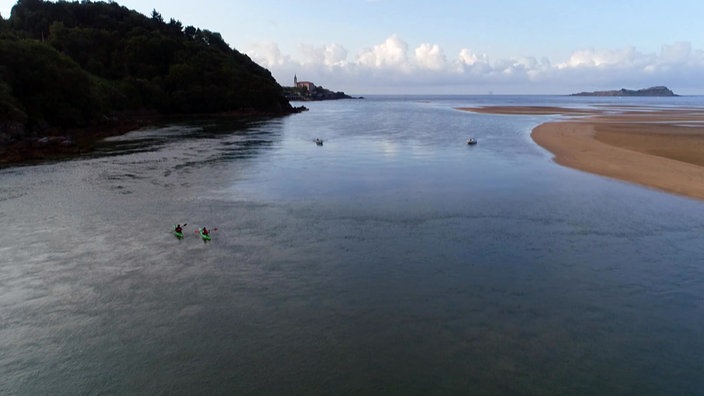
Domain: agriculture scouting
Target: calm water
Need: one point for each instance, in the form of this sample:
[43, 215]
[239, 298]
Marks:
[394, 259]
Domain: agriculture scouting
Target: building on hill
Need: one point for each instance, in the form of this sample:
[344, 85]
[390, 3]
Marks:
[306, 90]
[303, 84]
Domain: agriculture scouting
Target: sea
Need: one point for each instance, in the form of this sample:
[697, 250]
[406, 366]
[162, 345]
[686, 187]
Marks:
[394, 259]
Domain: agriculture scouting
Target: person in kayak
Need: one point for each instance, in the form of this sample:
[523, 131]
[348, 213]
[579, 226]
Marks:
[178, 228]
[205, 231]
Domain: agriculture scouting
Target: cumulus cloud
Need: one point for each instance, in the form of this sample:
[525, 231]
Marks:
[468, 58]
[392, 53]
[268, 55]
[329, 55]
[393, 63]
[676, 53]
[430, 56]
[627, 57]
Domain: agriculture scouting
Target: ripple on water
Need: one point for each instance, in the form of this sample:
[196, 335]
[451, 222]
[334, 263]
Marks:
[393, 254]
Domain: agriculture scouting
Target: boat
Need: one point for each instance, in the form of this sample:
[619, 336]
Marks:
[318, 141]
[205, 237]
[471, 141]
[178, 234]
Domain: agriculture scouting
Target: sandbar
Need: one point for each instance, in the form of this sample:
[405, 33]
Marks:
[657, 148]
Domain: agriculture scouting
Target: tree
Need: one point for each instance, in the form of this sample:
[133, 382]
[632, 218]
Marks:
[51, 87]
[70, 62]
[157, 17]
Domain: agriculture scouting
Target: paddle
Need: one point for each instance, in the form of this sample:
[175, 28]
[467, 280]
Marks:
[198, 230]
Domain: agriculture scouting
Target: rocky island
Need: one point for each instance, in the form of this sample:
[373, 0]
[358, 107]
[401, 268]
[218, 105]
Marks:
[308, 91]
[652, 91]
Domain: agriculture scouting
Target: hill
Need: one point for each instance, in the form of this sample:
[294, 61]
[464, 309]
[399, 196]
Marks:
[652, 91]
[78, 70]
[315, 94]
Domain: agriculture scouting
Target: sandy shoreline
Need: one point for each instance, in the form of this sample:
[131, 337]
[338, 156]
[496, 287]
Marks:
[662, 149]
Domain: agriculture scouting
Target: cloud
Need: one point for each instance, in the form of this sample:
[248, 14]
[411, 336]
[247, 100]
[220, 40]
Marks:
[269, 55]
[468, 58]
[676, 53]
[590, 58]
[430, 56]
[329, 55]
[393, 66]
[392, 53]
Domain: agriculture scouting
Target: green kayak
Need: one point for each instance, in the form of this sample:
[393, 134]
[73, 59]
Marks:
[205, 237]
[179, 234]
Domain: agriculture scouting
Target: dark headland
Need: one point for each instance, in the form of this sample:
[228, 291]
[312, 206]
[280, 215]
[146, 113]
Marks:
[652, 91]
[74, 72]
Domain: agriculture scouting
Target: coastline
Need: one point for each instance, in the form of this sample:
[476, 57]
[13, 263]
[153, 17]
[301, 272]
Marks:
[661, 149]
[57, 143]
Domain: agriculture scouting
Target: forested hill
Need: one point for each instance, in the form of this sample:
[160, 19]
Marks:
[69, 65]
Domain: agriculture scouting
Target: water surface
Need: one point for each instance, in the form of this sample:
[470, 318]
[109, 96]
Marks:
[394, 259]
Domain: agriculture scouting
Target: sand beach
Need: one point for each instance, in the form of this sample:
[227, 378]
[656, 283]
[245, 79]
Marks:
[662, 149]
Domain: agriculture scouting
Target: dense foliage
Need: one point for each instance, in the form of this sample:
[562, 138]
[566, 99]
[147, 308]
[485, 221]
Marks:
[71, 64]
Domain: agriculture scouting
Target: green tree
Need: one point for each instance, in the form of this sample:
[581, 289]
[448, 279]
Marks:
[71, 62]
[10, 109]
[52, 88]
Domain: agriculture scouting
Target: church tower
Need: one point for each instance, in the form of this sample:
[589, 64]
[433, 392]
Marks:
[295, 81]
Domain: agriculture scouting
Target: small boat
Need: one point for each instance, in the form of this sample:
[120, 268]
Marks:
[178, 234]
[471, 141]
[318, 141]
[206, 237]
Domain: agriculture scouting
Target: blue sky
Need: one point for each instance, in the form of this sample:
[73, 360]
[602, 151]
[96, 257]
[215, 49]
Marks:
[459, 47]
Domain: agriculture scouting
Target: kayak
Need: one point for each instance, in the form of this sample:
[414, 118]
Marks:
[179, 235]
[205, 237]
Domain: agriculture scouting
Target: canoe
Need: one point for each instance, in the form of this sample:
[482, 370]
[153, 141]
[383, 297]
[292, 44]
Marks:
[204, 236]
[178, 235]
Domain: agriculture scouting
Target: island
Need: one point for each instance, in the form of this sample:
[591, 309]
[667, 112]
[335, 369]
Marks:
[652, 91]
[74, 72]
[308, 91]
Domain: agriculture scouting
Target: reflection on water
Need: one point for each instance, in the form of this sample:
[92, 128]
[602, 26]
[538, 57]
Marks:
[393, 259]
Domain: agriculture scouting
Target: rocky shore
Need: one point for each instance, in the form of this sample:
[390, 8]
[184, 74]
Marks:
[17, 147]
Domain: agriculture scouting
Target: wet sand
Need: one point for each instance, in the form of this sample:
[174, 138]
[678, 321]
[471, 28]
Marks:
[662, 149]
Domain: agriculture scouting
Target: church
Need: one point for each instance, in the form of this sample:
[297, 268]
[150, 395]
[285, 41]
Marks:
[303, 84]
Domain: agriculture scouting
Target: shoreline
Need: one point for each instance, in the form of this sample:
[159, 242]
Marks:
[57, 144]
[656, 148]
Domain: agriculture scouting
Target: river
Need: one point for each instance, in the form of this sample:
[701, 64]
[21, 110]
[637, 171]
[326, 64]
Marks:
[393, 259]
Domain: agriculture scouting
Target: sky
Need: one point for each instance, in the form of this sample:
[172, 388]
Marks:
[458, 46]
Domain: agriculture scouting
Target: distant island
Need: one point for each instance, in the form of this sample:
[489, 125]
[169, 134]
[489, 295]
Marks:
[652, 91]
[307, 91]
